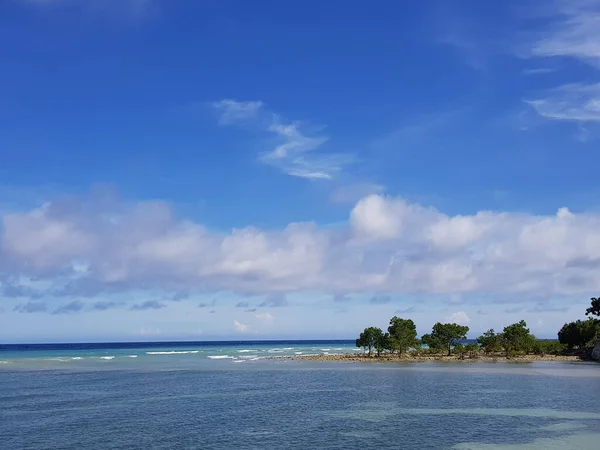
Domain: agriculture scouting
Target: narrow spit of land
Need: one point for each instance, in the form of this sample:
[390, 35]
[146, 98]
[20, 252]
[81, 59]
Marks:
[407, 358]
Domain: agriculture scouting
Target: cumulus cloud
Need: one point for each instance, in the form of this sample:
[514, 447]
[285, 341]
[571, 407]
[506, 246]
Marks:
[389, 245]
[461, 318]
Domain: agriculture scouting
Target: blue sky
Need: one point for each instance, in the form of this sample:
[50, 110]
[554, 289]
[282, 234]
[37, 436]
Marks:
[240, 170]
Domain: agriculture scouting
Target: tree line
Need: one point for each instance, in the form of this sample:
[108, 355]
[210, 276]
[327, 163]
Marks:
[448, 338]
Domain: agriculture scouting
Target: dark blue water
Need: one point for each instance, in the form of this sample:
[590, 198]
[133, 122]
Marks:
[162, 403]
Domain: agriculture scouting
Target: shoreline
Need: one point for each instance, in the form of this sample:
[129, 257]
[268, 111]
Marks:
[432, 358]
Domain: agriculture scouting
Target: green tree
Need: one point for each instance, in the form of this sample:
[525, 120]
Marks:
[547, 346]
[443, 335]
[595, 308]
[460, 350]
[580, 334]
[371, 338]
[402, 334]
[516, 338]
[473, 349]
[489, 341]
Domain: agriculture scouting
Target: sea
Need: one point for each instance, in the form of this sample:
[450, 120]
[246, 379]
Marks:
[246, 395]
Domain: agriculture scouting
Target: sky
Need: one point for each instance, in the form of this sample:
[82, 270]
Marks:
[276, 170]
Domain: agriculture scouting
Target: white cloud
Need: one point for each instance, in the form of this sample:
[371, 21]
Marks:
[573, 33]
[265, 317]
[298, 153]
[240, 327]
[389, 245]
[460, 318]
[572, 102]
[232, 111]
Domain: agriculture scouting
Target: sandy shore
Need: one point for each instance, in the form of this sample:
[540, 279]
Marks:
[428, 358]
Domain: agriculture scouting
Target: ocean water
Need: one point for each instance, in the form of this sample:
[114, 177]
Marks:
[163, 398]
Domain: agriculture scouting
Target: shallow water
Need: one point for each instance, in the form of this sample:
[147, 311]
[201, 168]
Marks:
[167, 402]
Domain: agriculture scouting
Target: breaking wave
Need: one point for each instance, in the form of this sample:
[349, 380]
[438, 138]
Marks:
[181, 352]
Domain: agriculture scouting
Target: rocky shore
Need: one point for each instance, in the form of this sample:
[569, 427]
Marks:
[407, 358]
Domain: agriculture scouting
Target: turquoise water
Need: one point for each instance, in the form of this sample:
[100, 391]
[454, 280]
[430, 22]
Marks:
[175, 400]
[170, 355]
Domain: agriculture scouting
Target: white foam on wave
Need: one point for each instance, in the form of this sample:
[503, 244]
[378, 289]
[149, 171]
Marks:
[132, 356]
[107, 357]
[246, 351]
[174, 352]
[248, 356]
[238, 361]
[220, 357]
[76, 358]
[325, 349]
[4, 362]
[298, 353]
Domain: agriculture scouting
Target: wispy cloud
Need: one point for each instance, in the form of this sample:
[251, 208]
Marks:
[573, 33]
[575, 102]
[380, 299]
[538, 71]
[31, 307]
[212, 304]
[232, 111]
[103, 306]
[74, 306]
[299, 151]
[275, 301]
[409, 310]
[240, 327]
[149, 304]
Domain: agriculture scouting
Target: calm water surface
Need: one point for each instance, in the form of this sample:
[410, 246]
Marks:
[189, 401]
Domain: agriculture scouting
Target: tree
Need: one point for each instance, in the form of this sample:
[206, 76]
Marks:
[460, 350]
[371, 338]
[546, 346]
[489, 341]
[443, 335]
[516, 338]
[402, 334]
[472, 348]
[595, 308]
[579, 334]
